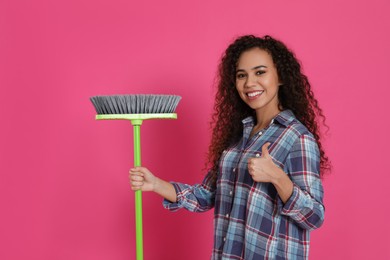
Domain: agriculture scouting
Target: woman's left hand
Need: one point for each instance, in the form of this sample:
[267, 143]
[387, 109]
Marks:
[263, 169]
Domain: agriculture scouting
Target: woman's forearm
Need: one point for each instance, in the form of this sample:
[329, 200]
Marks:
[284, 186]
[165, 189]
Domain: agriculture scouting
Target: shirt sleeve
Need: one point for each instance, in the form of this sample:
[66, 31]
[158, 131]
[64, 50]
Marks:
[196, 198]
[305, 206]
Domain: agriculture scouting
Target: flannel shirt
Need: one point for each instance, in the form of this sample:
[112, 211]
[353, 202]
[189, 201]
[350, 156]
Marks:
[250, 220]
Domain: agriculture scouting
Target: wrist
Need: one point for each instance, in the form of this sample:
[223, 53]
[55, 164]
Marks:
[278, 176]
[165, 189]
[156, 184]
[284, 186]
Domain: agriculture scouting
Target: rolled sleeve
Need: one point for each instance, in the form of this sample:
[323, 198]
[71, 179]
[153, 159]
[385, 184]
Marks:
[305, 205]
[196, 198]
[174, 206]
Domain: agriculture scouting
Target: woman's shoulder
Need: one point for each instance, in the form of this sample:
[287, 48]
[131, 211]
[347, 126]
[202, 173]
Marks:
[292, 124]
[293, 136]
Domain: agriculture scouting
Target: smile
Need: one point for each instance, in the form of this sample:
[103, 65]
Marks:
[254, 94]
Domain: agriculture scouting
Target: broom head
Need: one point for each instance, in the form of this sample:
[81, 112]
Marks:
[135, 104]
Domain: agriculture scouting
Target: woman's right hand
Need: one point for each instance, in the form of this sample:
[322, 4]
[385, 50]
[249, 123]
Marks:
[142, 179]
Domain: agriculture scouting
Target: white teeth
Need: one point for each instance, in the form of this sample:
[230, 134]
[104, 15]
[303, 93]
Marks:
[253, 94]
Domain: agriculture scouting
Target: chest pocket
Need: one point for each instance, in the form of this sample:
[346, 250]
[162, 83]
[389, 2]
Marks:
[278, 153]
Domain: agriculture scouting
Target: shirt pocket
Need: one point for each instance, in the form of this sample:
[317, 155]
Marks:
[278, 157]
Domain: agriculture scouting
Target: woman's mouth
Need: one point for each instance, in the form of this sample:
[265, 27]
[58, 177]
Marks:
[254, 94]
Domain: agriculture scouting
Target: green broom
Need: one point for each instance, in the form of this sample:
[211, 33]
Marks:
[136, 108]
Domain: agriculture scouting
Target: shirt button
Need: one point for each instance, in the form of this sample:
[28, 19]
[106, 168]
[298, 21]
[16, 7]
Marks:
[231, 192]
[257, 155]
[224, 239]
[234, 169]
[260, 133]
[227, 215]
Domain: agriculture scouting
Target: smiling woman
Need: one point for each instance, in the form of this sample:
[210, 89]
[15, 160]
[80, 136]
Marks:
[265, 157]
[258, 84]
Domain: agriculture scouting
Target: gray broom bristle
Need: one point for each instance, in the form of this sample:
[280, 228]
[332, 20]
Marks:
[135, 104]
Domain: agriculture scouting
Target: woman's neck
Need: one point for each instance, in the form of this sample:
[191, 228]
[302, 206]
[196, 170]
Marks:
[264, 118]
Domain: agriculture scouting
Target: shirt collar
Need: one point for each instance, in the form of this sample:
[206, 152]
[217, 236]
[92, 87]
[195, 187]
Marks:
[284, 118]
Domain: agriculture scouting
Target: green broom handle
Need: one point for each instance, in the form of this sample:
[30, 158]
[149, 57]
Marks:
[136, 121]
[138, 194]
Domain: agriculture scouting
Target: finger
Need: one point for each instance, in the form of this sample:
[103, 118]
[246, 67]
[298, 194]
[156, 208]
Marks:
[264, 150]
[136, 172]
[137, 183]
[250, 166]
[253, 160]
[142, 170]
[137, 178]
[136, 169]
[250, 170]
[250, 163]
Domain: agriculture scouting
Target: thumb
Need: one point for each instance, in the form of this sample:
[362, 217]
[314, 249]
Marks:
[264, 150]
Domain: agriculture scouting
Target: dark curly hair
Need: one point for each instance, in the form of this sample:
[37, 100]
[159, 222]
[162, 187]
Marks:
[229, 110]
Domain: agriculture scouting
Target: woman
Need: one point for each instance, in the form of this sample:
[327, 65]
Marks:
[265, 157]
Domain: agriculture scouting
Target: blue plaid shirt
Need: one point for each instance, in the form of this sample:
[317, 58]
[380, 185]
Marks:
[250, 220]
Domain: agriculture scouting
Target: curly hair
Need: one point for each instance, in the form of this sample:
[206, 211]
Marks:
[295, 94]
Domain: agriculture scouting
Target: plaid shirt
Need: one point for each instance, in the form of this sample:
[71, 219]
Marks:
[250, 220]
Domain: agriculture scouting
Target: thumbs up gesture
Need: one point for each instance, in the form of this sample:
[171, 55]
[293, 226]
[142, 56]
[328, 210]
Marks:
[263, 169]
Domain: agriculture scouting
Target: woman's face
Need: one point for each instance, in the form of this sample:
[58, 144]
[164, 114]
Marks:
[257, 81]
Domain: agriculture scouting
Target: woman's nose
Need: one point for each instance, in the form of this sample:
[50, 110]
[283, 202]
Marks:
[250, 81]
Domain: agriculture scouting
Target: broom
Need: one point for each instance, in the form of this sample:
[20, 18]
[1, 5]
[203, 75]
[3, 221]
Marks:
[136, 108]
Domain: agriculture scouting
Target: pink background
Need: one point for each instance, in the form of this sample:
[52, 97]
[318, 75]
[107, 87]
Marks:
[64, 188]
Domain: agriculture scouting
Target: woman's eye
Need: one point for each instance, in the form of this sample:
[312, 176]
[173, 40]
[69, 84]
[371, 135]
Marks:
[240, 76]
[260, 72]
